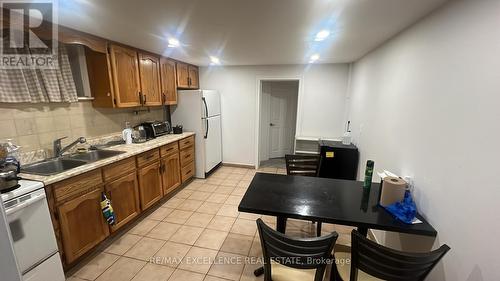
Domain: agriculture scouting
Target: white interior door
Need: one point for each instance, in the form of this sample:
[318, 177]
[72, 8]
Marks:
[277, 126]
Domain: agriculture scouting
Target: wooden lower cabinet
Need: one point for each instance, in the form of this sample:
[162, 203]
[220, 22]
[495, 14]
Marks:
[82, 224]
[124, 196]
[171, 173]
[150, 189]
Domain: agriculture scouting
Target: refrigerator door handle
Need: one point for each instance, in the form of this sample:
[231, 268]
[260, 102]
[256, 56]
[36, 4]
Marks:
[206, 107]
[206, 132]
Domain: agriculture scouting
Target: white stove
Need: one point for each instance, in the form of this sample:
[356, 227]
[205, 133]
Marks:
[30, 225]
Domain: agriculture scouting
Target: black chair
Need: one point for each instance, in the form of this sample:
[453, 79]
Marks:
[304, 165]
[294, 259]
[371, 261]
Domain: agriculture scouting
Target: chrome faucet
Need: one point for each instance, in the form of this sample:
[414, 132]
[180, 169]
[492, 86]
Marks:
[58, 150]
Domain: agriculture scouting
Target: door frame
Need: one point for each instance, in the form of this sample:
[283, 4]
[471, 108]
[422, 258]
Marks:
[298, 124]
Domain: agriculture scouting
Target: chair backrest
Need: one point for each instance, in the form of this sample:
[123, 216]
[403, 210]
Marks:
[306, 253]
[389, 264]
[302, 165]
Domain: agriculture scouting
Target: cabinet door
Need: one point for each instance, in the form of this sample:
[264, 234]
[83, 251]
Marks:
[150, 189]
[149, 70]
[125, 76]
[124, 196]
[168, 83]
[193, 77]
[100, 78]
[171, 173]
[82, 224]
[182, 75]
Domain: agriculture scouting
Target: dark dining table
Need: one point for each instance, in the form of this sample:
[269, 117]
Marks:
[335, 201]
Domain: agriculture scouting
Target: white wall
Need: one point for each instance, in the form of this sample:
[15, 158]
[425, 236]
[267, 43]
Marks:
[426, 104]
[321, 102]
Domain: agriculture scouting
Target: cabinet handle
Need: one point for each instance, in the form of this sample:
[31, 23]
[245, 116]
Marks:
[149, 156]
[187, 155]
[140, 98]
[144, 99]
[164, 98]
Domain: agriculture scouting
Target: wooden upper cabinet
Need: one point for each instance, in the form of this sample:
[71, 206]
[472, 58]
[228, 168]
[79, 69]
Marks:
[149, 70]
[82, 224]
[124, 195]
[125, 72]
[187, 76]
[182, 75]
[168, 81]
[193, 77]
[100, 82]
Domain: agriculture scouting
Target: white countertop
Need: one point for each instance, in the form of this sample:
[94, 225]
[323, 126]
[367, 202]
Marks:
[130, 150]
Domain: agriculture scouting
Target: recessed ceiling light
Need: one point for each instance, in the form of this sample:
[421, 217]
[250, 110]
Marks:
[313, 58]
[214, 60]
[320, 36]
[173, 43]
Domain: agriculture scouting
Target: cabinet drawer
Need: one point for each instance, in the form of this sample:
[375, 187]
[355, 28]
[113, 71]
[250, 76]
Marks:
[187, 172]
[169, 149]
[119, 168]
[187, 156]
[148, 157]
[75, 185]
[186, 142]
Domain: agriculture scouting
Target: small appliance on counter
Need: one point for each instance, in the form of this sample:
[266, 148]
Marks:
[155, 129]
[178, 129]
[9, 167]
[139, 134]
[338, 161]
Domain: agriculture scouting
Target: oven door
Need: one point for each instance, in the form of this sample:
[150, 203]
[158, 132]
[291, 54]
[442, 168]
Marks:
[31, 229]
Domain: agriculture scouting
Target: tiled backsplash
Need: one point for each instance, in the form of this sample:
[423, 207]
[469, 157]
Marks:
[35, 126]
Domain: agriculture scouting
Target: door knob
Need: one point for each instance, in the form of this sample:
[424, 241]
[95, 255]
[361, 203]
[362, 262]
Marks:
[271, 124]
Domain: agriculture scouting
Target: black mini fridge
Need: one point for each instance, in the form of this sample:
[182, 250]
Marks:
[338, 161]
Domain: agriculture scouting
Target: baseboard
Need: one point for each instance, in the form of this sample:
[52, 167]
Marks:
[238, 165]
[372, 236]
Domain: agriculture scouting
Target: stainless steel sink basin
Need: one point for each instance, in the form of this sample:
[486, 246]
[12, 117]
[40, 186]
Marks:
[96, 155]
[59, 165]
[52, 166]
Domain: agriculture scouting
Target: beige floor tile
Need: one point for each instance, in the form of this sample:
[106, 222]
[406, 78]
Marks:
[123, 269]
[243, 184]
[211, 239]
[233, 200]
[217, 198]
[214, 181]
[96, 266]
[235, 177]
[213, 278]
[221, 223]
[187, 235]
[237, 244]
[190, 205]
[143, 227]
[249, 216]
[200, 195]
[199, 220]
[224, 190]
[198, 260]
[178, 216]
[122, 244]
[244, 227]
[74, 278]
[163, 231]
[239, 191]
[160, 214]
[171, 254]
[248, 275]
[184, 194]
[152, 272]
[227, 266]
[228, 182]
[173, 203]
[241, 171]
[145, 249]
[183, 275]
[209, 208]
[228, 211]
[256, 249]
[208, 188]
[268, 219]
[248, 177]
[193, 185]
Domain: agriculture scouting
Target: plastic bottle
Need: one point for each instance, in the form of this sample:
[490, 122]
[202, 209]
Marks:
[127, 133]
[368, 174]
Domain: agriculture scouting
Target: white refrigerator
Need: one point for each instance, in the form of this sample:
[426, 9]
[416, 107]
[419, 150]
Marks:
[199, 111]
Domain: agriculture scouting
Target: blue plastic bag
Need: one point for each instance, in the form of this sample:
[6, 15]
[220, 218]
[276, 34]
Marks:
[405, 210]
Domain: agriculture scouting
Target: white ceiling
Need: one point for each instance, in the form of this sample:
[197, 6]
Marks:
[247, 32]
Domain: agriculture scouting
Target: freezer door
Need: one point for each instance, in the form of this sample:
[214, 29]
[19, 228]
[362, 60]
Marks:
[213, 143]
[211, 103]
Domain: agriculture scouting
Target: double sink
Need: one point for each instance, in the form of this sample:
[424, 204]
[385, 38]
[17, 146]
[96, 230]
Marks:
[62, 164]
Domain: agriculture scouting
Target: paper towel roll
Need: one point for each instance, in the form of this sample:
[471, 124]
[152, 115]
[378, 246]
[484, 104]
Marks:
[393, 190]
